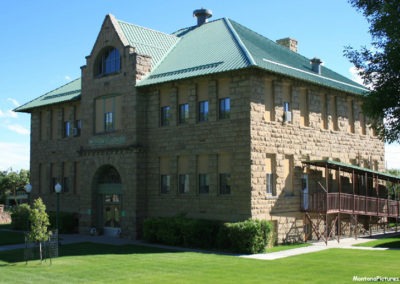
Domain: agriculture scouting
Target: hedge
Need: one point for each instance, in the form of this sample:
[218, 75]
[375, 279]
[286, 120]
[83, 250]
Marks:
[250, 236]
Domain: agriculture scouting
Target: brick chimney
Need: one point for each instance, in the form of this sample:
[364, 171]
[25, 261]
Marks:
[288, 43]
[202, 15]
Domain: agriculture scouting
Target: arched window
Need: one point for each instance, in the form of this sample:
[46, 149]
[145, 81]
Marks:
[108, 62]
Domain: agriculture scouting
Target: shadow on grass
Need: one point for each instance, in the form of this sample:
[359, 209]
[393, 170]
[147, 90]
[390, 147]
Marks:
[394, 244]
[82, 249]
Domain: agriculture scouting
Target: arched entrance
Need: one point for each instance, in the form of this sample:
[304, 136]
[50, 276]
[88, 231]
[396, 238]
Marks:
[108, 193]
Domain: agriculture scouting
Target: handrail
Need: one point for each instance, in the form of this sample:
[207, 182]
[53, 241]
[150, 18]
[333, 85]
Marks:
[352, 204]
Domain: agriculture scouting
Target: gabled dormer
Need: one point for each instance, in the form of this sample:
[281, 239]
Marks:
[127, 49]
[111, 55]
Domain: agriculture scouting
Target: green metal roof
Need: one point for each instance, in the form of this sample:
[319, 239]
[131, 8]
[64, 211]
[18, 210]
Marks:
[350, 168]
[68, 92]
[148, 42]
[217, 46]
[224, 45]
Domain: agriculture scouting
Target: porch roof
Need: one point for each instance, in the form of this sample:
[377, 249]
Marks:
[351, 168]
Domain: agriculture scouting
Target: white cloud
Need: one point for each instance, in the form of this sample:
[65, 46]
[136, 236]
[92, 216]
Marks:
[8, 114]
[14, 102]
[392, 156]
[14, 155]
[18, 129]
[68, 78]
[354, 75]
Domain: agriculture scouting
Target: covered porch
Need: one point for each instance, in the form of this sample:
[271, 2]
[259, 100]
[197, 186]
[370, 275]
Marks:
[342, 198]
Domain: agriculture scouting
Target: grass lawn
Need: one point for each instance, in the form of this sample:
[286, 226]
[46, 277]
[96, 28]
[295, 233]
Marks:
[94, 263]
[287, 247]
[393, 243]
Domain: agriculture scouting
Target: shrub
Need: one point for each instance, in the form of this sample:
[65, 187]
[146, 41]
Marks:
[200, 233]
[20, 217]
[251, 236]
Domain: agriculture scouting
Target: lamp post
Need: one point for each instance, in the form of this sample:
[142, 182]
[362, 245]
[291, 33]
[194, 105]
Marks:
[57, 189]
[28, 189]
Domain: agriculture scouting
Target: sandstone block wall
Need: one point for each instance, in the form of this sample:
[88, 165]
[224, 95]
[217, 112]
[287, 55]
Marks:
[350, 141]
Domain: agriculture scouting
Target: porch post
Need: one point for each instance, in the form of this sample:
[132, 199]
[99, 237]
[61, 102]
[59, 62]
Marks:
[326, 210]
[340, 207]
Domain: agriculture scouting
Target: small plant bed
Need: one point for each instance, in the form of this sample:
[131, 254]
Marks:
[392, 243]
[287, 247]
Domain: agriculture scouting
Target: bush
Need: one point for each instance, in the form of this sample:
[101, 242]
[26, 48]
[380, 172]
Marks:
[20, 217]
[200, 233]
[251, 236]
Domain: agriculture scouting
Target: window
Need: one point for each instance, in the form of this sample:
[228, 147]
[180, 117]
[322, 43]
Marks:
[108, 121]
[183, 183]
[286, 107]
[225, 184]
[108, 62]
[270, 184]
[77, 127]
[224, 108]
[108, 114]
[204, 184]
[183, 113]
[203, 111]
[165, 183]
[53, 184]
[165, 115]
[67, 129]
[65, 184]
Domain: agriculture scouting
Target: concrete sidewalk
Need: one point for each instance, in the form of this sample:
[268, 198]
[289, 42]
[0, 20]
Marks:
[345, 243]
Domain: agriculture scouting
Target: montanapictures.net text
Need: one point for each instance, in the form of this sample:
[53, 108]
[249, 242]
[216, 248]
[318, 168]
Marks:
[376, 279]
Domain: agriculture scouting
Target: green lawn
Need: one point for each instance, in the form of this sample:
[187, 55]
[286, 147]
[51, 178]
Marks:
[287, 247]
[94, 263]
[393, 243]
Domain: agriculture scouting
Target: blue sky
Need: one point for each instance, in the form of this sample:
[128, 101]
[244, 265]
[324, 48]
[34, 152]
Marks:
[45, 43]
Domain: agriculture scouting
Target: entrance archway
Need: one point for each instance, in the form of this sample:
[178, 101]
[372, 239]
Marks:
[108, 193]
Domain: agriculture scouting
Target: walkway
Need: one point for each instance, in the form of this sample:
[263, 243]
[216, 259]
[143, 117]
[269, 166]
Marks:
[346, 243]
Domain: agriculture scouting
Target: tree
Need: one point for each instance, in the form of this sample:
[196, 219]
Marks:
[394, 188]
[379, 67]
[11, 181]
[39, 224]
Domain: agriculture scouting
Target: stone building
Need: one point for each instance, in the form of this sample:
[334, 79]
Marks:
[213, 121]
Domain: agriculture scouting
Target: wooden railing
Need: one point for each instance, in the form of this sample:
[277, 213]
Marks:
[351, 204]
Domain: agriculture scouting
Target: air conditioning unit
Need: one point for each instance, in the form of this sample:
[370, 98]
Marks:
[287, 116]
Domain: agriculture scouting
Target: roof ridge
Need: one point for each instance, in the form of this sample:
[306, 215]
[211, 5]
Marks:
[277, 45]
[239, 42]
[148, 29]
